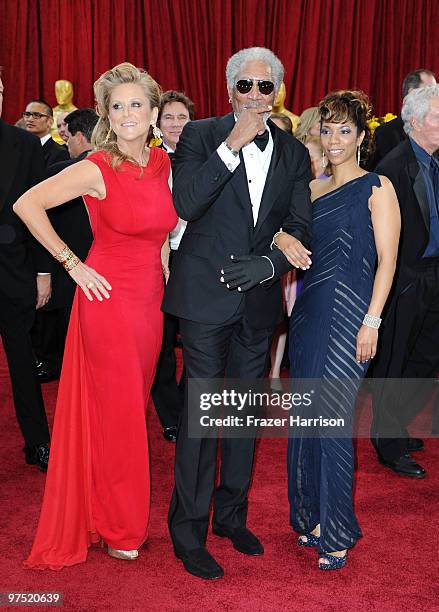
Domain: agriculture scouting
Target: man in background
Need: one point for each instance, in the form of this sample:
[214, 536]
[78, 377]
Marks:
[390, 134]
[71, 222]
[176, 109]
[61, 126]
[20, 258]
[409, 341]
[38, 118]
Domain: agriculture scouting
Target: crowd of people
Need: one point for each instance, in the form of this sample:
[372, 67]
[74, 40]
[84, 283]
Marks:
[105, 270]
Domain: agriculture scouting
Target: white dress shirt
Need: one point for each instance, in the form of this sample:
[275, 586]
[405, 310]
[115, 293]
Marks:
[44, 139]
[256, 163]
[177, 233]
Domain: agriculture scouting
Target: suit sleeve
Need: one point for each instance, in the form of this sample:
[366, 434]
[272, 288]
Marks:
[198, 177]
[298, 221]
[43, 262]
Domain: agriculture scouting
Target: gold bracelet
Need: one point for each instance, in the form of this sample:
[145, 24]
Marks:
[67, 258]
[63, 254]
[72, 263]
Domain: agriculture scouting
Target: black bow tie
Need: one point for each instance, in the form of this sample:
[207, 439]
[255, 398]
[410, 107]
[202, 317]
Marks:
[261, 140]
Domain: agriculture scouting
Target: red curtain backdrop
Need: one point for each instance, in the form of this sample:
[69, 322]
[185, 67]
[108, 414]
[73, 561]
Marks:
[324, 44]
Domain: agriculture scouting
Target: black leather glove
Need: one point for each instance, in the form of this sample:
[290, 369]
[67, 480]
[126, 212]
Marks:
[247, 271]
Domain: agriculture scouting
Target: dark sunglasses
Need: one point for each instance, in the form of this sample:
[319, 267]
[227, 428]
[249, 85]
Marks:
[245, 85]
[27, 115]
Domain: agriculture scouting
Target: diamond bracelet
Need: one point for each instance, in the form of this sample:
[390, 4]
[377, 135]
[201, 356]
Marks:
[371, 321]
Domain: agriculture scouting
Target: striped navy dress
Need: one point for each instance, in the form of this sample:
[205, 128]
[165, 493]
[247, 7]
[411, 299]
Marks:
[325, 321]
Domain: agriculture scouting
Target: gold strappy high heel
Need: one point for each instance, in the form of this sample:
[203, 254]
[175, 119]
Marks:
[127, 555]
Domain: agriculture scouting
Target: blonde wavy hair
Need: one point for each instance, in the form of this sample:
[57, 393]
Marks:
[307, 120]
[103, 137]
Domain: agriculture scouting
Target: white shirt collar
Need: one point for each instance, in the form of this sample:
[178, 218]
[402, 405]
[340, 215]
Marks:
[44, 139]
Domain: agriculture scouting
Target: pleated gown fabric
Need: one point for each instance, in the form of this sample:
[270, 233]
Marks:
[326, 318]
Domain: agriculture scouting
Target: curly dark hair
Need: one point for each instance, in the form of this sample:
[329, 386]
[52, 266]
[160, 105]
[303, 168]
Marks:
[350, 105]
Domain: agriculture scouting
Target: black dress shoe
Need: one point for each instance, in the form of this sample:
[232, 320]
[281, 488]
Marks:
[170, 434]
[415, 444]
[37, 455]
[200, 563]
[405, 466]
[242, 539]
[44, 374]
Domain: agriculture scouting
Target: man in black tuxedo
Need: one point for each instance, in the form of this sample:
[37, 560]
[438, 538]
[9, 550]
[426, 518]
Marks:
[20, 259]
[388, 135]
[409, 342]
[38, 120]
[237, 180]
[71, 222]
[176, 109]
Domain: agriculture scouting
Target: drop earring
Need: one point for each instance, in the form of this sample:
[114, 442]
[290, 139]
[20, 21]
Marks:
[107, 137]
[156, 139]
[358, 155]
[324, 163]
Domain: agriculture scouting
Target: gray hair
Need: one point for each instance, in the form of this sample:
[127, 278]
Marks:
[416, 105]
[261, 54]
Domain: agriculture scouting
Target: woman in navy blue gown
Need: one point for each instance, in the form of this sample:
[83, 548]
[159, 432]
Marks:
[334, 326]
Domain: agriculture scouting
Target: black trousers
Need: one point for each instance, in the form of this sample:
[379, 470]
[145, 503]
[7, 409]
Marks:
[236, 350]
[409, 349]
[15, 332]
[167, 393]
[49, 336]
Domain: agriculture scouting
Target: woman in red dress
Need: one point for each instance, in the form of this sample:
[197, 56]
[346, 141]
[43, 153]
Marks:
[98, 484]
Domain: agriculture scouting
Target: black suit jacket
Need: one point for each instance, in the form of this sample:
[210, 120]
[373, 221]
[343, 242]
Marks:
[217, 205]
[54, 152]
[71, 223]
[387, 136]
[402, 168]
[22, 167]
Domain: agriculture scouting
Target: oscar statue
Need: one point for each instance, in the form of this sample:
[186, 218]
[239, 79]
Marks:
[64, 97]
[279, 107]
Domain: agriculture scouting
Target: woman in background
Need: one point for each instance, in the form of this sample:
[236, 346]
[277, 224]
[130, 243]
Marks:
[334, 326]
[283, 122]
[319, 164]
[309, 124]
[98, 481]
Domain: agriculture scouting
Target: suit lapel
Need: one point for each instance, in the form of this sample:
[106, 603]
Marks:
[240, 187]
[417, 179]
[10, 156]
[223, 128]
[272, 186]
[239, 182]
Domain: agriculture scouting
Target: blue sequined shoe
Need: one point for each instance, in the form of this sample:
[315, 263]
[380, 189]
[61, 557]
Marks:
[334, 562]
[311, 540]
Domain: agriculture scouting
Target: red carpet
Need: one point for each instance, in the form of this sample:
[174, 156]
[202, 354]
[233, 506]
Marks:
[393, 568]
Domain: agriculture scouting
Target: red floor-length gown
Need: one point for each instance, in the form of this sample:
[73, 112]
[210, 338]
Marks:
[98, 481]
